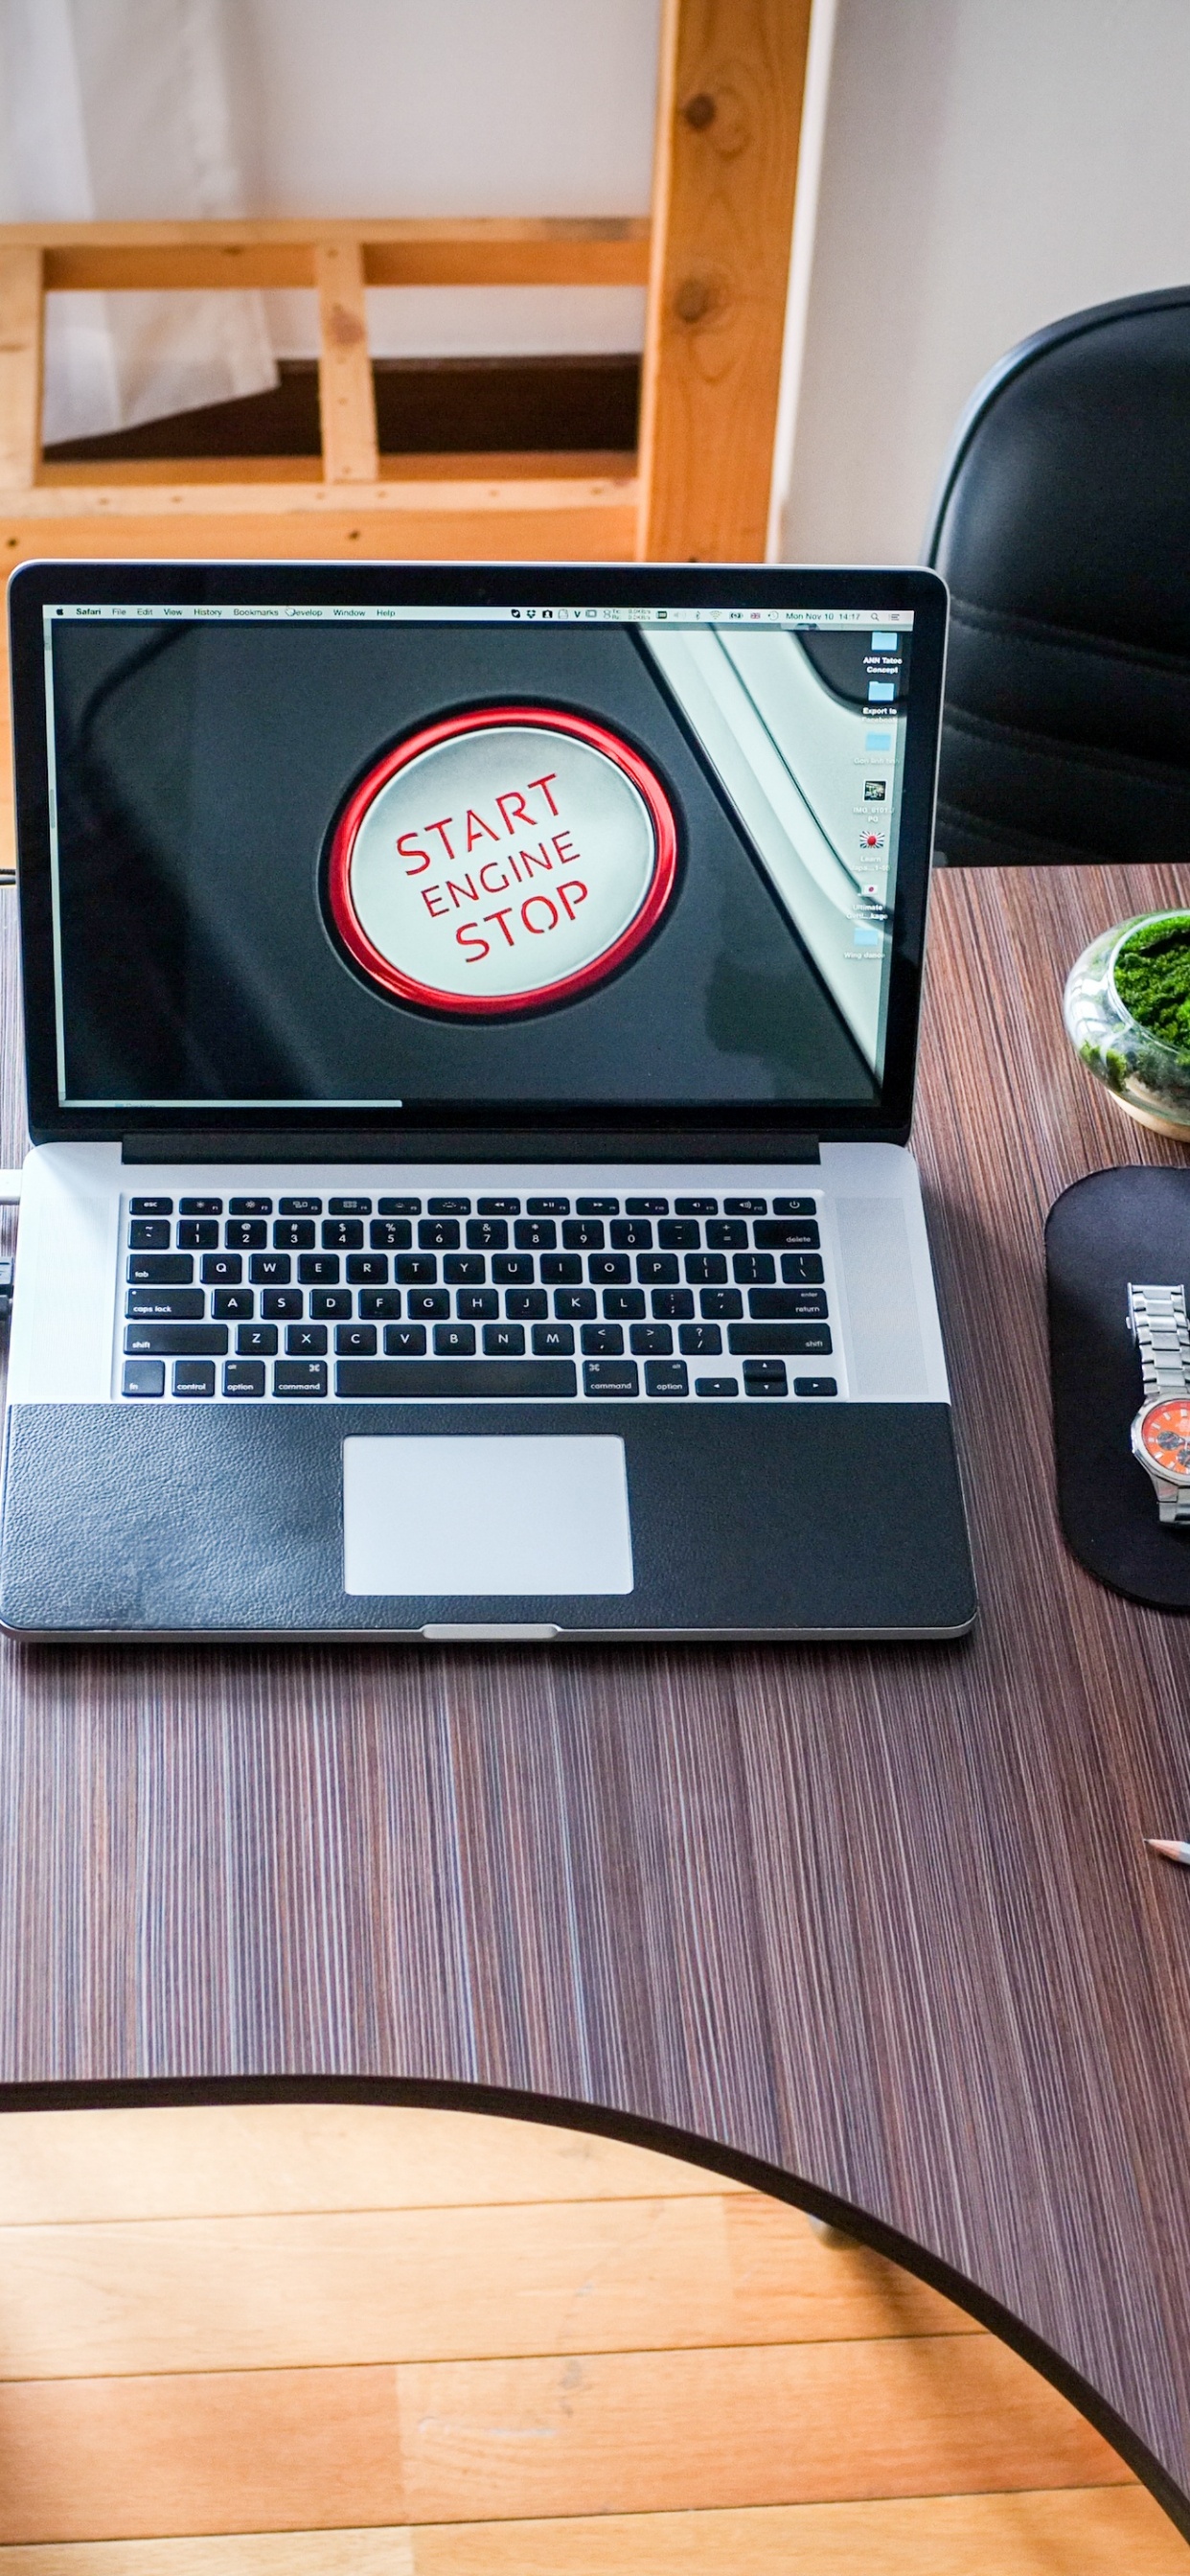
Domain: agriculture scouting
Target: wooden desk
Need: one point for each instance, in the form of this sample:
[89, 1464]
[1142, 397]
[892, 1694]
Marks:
[876, 1927]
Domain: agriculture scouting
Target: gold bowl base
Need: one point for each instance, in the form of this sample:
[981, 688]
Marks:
[1149, 1118]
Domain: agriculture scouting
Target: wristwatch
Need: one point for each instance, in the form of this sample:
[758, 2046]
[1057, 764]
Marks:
[1161, 1431]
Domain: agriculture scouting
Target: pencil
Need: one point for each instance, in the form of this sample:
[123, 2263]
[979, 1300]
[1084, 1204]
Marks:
[1171, 1851]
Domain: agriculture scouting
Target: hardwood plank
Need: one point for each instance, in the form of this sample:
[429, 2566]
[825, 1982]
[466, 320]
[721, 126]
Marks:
[507, 524]
[1077, 2532]
[20, 364]
[253, 2293]
[347, 401]
[456, 251]
[387, 2552]
[450, 465]
[729, 118]
[55, 500]
[214, 2160]
[283, 2450]
[653, 2432]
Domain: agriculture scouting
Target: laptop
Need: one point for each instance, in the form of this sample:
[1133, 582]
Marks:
[471, 1015]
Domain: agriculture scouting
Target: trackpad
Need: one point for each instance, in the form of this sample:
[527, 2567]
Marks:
[482, 1516]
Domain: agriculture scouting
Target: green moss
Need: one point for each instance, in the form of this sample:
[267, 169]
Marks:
[1152, 978]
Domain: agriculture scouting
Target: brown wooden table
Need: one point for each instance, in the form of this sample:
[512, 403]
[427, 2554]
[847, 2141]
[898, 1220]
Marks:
[877, 1928]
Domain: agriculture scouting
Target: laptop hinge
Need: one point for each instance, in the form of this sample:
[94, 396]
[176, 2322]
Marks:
[770, 1144]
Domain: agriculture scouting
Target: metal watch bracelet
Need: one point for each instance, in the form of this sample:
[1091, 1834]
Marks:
[1159, 1322]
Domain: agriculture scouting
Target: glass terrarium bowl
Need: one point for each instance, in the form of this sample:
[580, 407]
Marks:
[1146, 1076]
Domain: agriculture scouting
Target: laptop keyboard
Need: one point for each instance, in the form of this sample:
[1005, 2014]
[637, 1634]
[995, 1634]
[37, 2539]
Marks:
[648, 1298]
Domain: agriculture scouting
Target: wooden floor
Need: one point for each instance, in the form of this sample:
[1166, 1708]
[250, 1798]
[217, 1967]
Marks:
[349, 2342]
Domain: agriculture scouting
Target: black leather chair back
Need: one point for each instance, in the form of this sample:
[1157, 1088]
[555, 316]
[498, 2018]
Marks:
[1063, 528]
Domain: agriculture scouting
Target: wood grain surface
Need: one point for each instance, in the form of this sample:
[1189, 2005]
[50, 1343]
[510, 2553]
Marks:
[880, 1926]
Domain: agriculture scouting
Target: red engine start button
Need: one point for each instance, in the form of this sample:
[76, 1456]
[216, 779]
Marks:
[502, 860]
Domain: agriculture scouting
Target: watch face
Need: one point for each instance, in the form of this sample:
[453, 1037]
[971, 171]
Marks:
[1165, 1436]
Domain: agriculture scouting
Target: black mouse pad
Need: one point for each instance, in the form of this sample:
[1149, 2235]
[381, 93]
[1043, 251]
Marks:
[1132, 1224]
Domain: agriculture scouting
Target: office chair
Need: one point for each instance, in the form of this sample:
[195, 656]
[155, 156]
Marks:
[1062, 525]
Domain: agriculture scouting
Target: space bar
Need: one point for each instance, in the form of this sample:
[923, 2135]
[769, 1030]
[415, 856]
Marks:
[455, 1377]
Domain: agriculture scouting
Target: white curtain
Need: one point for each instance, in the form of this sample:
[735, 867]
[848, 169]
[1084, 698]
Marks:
[121, 109]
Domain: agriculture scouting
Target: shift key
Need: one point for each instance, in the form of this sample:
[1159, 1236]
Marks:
[176, 1341]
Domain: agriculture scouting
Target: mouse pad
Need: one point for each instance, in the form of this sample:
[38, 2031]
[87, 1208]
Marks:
[1130, 1224]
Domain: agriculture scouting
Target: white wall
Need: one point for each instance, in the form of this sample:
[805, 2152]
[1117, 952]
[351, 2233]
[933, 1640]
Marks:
[988, 165]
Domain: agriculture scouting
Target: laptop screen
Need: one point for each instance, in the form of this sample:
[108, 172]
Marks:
[424, 857]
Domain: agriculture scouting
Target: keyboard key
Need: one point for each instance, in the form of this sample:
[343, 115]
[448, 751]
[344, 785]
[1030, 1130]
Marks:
[498, 1207]
[603, 1340]
[256, 1338]
[175, 1341]
[524, 1305]
[355, 1341]
[727, 1234]
[786, 1234]
[815, 1386]
[221, 1269]
[284, 1303]
[670, 1305]
[762, 1379]
[342, 1233]
[372, 1301]
[270, 1269]
[476, 1305]
[535, 1234]
[454, 1341]
[777, 1301]
[150, 1207]
[398, 1207]
[553, 1340]
[438, 1234]
[404, 1341]
[160, 1269]
[293, 1234]
[575, 1305]
[705, 1269]
[611, 1377]
[144, 1377]
[656, 1269]
[623, 1305]
[487, 1234]
[168, 1305]
[802, 1269]
[716, 1386]
[464, 1269]
[200, 1207]
[390, 1234]
[702, 1341]
[561, 1269]
[466, 1378]
[548, 1207]
[245, 1233]
[195, 1233]
[696, 1207]
[632, 1234]
[745, 1207]
[194, 1377]
[793, 1207]
[608, 1269]
[597, 1207]
[416, 1269]
[750, 1267]
[428, 1303]
[243, 1377]
[651, 1341]
[810, 1340]
[151, 1234]
[249, 1207]
[721, 1303]
[583, 1234]
[666, 1377]
[330, 1303]
[319, 1269]
[305, 1341]
[302, 1377]
[513, 1269]
[677, 1234]
[646, 1207]
[367, 1269]
[448, 1207]
[354, 1207]
[507, 1341]
[234, 1302]
[299, 1207]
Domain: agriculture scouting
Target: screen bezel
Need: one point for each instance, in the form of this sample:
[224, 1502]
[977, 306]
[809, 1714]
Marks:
[447, 1126]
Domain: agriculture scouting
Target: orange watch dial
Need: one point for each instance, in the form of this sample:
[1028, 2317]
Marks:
[1165, 1435]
